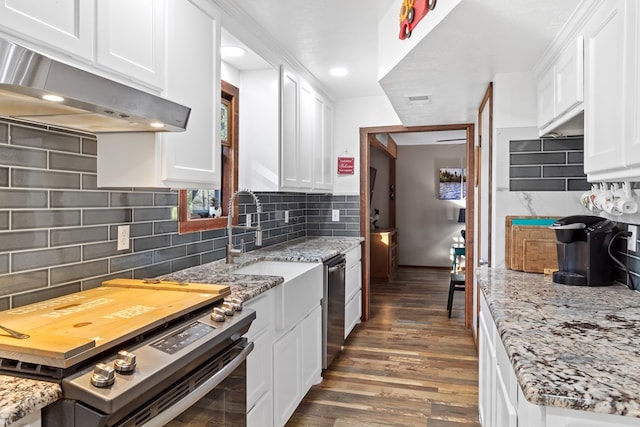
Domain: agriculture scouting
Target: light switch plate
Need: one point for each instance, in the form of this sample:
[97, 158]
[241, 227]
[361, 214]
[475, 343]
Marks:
[335, 215]
[632, 240]
[123, 237]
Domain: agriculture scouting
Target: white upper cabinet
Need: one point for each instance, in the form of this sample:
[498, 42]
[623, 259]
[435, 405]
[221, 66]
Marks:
[607, 79]
[130, 39]
[63, 25]
[560, 87]
[290, 134]
[307, 137]
[189, 159]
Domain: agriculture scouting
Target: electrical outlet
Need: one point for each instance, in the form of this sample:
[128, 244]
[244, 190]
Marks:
[335, 215]
[286, 217]
[632, 240]
[123, 237]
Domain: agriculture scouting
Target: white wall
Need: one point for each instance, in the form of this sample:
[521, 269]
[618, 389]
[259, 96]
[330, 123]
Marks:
[380, 201]
[427, 226]
[350, 115]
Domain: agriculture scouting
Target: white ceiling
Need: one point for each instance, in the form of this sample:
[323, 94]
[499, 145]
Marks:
[453, 64]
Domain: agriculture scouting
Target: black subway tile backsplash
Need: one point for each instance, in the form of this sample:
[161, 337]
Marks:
[547, 165]
[53, 253]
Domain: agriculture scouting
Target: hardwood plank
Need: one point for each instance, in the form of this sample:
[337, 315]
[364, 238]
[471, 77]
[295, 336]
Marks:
[408, 365]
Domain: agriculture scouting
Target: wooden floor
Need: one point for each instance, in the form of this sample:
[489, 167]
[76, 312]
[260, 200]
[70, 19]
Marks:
[409, 365]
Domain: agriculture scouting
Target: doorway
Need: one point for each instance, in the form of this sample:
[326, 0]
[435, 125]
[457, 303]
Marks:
[366, 134]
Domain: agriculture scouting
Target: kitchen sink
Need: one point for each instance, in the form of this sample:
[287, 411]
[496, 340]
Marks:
[287, 270]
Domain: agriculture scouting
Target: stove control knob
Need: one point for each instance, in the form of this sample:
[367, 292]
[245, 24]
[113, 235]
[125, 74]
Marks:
[103, 376]
[125, 363]
[237, 304]
[228, 308]
[218, 315]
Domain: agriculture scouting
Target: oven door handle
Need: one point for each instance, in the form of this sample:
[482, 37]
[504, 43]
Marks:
[179, 407]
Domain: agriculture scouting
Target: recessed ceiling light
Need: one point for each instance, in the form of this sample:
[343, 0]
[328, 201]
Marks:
[157, 125]
[339, 72]
[232, 51]
[53, 98]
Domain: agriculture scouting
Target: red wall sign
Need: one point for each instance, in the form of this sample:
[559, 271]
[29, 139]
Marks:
[346, 165]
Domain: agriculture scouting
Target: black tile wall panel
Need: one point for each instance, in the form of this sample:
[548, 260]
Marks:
[22, 282]
[23, 199]
[44, 139]
[71, 162]
[102, 250]
[32, 260]
[79, 199]
[21, 220]
[22, 240]
[578, 185]
[16, 156]
[4, 133]
[525, 145]
[67, 273]
[89, 146]
[44, 179]
[563, 144]
[537, 185]
[4, 177]
[4, 220]
[538, 158]
[562, 171]
[37, 296]
[575, 157]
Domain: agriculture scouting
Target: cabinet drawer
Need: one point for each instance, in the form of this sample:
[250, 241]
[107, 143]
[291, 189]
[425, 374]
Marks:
[263, 305]
[352, 313]
[353, 281]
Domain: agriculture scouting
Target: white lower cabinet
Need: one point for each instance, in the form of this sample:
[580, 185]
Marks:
[311, 349]
[261, 415]
[501, 401]
[353, 289]
[287, 374]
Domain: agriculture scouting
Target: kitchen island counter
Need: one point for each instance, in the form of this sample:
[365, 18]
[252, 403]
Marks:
[570, 347]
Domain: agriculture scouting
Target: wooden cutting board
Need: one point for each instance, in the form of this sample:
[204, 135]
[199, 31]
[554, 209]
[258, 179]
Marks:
[538, 255]
[64, 330]
[164, 285]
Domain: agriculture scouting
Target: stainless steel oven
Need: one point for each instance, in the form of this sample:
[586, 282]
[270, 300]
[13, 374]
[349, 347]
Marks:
[189, 373]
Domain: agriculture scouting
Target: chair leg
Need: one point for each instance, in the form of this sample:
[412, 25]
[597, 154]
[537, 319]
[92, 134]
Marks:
[450, 300]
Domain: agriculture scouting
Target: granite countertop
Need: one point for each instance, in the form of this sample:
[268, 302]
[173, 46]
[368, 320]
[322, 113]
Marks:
[571, 347]
[20, 397]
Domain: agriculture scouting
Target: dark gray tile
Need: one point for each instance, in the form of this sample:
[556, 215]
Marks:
[5, 303]
[139, 229]
[180, 239]
[23, 199]
[89, 146]
[169, 253]
[563, 171]
[119, 199]
[568, 144]
[44, 179]
[4, 177]
[578, 185]
[212, 234]
[181, 264]
[46, 258]
[537, 185]
[19, 240]
[71, 162]
[95, 282]
[102, 250]
[4, 220]
[78, 271]
[79, 199]
[156, 242]
[89, 182]
[74, 236]
[200, 247]
[162, 227]
[538, 159]
[4, 263]
[22, 282]
[44, 294]
[105, 216]
[152, 271]
[166, 199]
[44, 139]
[16, 156]
[575, 157]
[127, 262]
[152, 214]
[21, 220]
[525, 145]
[4, 133]
[213, 256]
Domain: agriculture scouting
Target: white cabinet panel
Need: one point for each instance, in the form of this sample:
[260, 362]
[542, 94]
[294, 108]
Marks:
[130, 39]
[569, 77]
[327, 150]
[352, 313]
[311, 349]
[259, 368]
[306, 137]
[632, 93]
[289, 141]
[261, 415]
[65, 25]
[287, 375]
[505, 412]
[546, 100]
[486, 369]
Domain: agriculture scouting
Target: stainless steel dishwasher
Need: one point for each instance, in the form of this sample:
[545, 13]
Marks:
[333, 309]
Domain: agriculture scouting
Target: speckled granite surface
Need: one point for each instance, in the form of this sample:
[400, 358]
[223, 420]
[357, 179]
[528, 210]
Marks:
[19, 397]
[571, 347]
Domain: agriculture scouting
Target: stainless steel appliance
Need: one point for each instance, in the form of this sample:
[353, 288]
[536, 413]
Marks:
[333, 303]
[187, 370]
[582, 242]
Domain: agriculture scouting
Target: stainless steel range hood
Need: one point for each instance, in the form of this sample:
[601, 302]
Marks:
[86, 101]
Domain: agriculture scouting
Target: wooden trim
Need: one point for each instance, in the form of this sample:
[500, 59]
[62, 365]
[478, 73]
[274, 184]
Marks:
[487, 99]
[230, 94]
[367, 139]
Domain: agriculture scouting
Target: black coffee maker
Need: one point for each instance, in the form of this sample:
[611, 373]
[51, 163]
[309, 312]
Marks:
[583, 258]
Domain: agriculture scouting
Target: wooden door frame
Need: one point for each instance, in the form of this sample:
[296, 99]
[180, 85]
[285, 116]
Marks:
[365, 226]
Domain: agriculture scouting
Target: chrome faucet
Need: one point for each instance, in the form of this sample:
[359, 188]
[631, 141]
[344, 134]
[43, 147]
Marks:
[231, 250]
